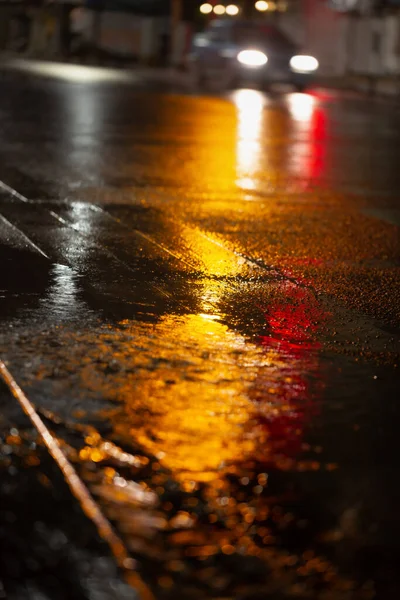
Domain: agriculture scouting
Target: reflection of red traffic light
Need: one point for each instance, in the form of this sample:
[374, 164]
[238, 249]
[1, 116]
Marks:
[286, 393]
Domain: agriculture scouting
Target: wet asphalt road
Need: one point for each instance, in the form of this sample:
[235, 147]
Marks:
[200, 294]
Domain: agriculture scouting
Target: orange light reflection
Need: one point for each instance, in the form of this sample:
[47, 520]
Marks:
[187, 402]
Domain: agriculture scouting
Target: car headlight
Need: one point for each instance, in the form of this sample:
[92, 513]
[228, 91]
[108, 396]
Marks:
[252, 58]
[303, 64]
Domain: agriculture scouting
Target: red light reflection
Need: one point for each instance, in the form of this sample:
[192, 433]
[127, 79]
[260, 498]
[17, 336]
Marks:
[286, 403]
[308, 159]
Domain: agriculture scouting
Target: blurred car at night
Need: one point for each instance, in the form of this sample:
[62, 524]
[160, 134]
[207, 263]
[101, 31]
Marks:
[234, 52]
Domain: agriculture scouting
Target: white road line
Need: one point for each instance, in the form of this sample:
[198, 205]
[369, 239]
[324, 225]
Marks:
[24, 236]
[13, 192]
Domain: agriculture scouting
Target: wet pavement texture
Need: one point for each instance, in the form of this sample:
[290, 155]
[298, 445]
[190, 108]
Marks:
[200, 294]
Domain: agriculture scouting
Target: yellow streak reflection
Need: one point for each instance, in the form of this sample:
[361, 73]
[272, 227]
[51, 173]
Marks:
[211, 257]
[214, 129]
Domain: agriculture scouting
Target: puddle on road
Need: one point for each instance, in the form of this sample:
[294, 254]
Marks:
[33, 288]
[24, 279]
[200, 396]
[187, 403]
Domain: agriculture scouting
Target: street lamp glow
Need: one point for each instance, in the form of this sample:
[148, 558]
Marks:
[219, 9]
[206, 9]
[261, 5]
[232, 10]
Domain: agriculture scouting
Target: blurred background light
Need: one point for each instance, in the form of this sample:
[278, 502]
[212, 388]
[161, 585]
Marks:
[74, 73]
[232, 10]
[261, 5]
[206, 8]
[219, 9]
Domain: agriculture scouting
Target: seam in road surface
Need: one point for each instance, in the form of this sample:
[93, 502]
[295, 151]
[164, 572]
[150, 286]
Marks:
[277, 273]
[104, 248]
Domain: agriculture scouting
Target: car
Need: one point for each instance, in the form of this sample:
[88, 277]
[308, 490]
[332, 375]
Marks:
[234, 52]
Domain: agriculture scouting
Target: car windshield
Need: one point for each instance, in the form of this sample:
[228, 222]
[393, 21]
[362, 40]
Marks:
[260, 35]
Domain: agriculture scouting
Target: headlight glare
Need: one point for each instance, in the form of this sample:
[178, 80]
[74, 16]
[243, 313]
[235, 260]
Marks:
[252, 58]
[303, 64]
